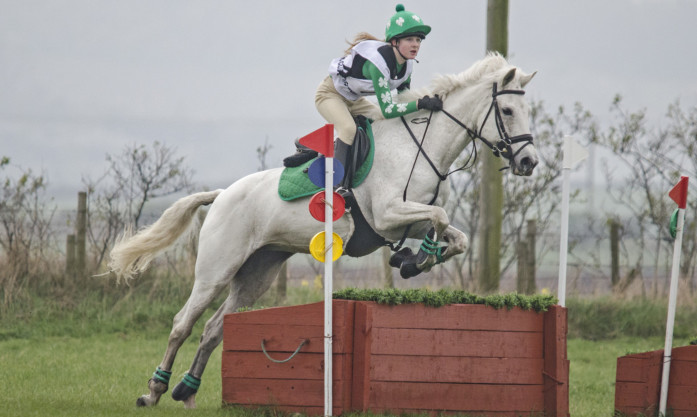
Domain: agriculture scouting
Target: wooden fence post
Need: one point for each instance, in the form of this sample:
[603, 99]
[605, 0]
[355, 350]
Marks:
[525, 251]
[70, 255]
[522, 255]
[80, 239]
[531, 288]
[614, 252]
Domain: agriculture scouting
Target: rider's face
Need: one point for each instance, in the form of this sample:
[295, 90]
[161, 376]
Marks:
[409, 46]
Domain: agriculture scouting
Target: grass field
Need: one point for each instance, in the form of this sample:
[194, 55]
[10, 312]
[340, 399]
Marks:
[95, 358]
[103, 375]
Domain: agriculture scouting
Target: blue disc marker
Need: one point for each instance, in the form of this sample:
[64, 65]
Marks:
[316, 172]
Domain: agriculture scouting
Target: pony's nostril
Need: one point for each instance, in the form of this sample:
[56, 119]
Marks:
[527, 164]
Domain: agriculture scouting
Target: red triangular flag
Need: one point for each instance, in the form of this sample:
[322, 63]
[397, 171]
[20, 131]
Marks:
[679, 193]
[321, 140]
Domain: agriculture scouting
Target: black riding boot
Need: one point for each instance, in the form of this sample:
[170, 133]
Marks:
[302, 155]
[344, 154]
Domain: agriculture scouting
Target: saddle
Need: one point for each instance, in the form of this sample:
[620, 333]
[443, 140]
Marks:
[294, 182]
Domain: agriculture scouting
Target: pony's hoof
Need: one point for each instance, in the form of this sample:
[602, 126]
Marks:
[409, 270]
[190, 402]
[144, 401]
[398, 257]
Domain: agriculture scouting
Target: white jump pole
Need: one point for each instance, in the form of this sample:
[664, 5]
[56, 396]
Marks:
[673, 295]
[573, 154]
[328, 280]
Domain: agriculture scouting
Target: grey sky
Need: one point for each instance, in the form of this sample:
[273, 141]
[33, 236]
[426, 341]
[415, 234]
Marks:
[215, 79]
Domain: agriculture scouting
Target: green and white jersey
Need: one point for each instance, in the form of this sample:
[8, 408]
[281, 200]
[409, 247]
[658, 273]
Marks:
[372, 69]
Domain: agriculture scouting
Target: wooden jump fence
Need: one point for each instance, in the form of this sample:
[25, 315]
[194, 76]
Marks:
[638, 385]
[407, 358]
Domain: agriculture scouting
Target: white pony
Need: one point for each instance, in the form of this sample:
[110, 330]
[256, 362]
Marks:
[250, 232]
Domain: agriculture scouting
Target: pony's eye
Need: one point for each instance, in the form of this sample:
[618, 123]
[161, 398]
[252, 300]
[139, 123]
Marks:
[507, 111]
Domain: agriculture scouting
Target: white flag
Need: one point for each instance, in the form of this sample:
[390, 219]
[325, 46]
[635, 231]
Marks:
[573, 153]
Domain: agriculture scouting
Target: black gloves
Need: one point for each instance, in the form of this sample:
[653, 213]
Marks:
[430, 103]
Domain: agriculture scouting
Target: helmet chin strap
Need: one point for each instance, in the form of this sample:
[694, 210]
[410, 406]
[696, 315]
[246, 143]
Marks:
[396, 47]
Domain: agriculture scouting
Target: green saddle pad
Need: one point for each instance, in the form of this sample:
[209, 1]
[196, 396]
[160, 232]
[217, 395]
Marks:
[295, 183]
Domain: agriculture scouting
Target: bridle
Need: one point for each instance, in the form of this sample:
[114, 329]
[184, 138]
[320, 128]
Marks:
[503, 147]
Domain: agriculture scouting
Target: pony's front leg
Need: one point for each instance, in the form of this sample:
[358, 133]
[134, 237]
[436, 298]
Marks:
[158, 385]
[401, 214]
[431, 253]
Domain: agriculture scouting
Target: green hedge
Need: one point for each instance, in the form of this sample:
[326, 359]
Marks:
[539, 303]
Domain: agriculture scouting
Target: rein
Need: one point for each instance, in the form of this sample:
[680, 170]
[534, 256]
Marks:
[502, 148]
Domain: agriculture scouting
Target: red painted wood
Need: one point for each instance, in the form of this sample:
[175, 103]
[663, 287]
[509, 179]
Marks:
[458, 316]
[450, 369]
[463, 397]
[683, 372]
[556, 364]
[686, 353]
[638, 384]
[469, 359]
[634, 370]
[302, 366]
[276, 392]
[300, 314]
[456, 343]
[363, 341]
[683, 397]
[633, 394]
[437, 413]
[284, 328]
[305, 411]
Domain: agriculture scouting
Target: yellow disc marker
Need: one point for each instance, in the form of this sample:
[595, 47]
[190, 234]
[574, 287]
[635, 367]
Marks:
[317, 246]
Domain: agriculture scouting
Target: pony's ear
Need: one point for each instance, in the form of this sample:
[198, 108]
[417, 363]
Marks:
[508, 77]
[525, 78]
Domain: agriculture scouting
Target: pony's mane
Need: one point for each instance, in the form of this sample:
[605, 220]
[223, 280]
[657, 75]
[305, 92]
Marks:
[486, 67]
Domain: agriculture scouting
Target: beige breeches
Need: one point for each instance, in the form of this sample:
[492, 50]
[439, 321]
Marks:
[339, 111]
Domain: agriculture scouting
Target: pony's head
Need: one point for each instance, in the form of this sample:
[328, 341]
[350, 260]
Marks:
[500, 115]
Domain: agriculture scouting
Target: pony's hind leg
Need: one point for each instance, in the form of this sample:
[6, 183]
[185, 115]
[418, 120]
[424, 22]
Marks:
[250, 282]
[201, 296]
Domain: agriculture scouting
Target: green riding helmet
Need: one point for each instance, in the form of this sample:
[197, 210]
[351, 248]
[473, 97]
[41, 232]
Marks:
[404, 24]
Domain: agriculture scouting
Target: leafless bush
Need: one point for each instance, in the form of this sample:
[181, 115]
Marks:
[26, 235]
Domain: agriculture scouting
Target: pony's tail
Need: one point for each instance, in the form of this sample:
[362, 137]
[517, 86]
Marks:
[132, 253]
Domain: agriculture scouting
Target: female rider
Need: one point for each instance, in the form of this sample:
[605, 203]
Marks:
[370, 67]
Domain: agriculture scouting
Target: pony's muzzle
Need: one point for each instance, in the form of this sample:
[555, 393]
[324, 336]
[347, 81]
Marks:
[526, 166]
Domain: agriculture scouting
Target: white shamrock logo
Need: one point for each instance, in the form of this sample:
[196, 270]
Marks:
[386, 97]
[402, 107]
[389, 108]
[382, 82]
[417, 18]
[399, 21]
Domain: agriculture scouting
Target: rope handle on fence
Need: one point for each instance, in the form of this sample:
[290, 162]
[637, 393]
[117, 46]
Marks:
[263, 349]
